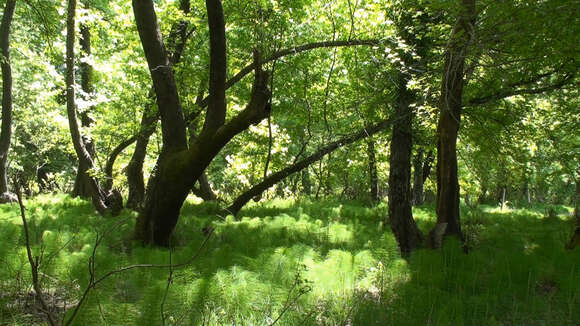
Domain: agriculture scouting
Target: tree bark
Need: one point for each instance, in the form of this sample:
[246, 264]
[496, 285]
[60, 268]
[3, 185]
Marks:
[82, 186]
[134, 171]
[101, 200]
[373, 175]
[418, 195]
[176, 40]
[274, 178]
[450, 117]
[6, 131]
[178, 167]
[401, 219]
[111, 161]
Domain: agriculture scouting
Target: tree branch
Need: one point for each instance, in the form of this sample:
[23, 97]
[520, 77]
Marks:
[302, 164]
[216, 111]
[291, 51]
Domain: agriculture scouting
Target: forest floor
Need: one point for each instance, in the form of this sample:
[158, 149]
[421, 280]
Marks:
[292, 263]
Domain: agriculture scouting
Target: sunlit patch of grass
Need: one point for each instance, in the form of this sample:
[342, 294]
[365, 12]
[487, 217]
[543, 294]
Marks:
[318, 263]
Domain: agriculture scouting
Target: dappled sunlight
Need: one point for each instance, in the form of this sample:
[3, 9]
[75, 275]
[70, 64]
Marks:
[327, 258]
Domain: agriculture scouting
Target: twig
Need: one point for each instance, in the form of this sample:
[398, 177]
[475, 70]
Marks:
[33, 261]
[169, 281]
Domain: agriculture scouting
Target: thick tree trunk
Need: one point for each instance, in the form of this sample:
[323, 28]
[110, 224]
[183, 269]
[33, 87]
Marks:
[82, 186]
[274, 178]
[449, 119]
[176, 41]
[374, 178]
[401, 219]
[6, 132]
[418, 194]
[178, 167]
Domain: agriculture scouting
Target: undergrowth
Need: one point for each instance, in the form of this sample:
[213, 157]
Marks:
[294, 263]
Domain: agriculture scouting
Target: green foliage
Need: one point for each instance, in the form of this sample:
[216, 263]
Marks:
[319, 263]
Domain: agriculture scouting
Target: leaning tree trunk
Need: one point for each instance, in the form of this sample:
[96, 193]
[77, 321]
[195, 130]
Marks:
[374, 178]
[303, 164]
[6, 132]
[449, 120]
[82, 185]
[401, 219]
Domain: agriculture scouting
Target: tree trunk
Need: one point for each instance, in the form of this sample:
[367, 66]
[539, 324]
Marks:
[111, 161]
[6, 132]
[418, 195]
[101, 200]
[449, 119]
[82, 186]
[204, 191]
[176, 41]
[134, 170]
[306, 182]
[303, 164]
[179, 167]
[374, 179]
[401, 219]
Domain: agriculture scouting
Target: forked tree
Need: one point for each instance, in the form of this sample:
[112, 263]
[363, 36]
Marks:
[180, 164]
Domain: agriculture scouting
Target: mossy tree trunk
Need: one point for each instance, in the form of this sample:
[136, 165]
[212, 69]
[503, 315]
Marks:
[6, 131]
[179, 166]
[450, 104]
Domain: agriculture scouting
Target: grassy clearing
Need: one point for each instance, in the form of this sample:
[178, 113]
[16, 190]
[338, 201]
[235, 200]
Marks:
[324, 263]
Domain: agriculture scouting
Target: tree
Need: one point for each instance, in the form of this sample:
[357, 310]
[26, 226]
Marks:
[180, 164]
[6, 132]
[82, 186]
[102, 201]
[450, 104]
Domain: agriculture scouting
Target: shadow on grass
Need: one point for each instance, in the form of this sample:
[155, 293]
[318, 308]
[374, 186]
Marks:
[516, 274]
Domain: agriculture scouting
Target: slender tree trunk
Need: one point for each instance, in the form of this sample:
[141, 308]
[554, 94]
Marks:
[111, 162]
[418, 195]
[134, 171]
[6, 132]
[303, 164]
[401, 219]
[449, 120]
[101, 200]
[82, 186]
[374, 178]
[306, 182]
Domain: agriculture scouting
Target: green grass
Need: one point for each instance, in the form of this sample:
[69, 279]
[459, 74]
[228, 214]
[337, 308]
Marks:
[322, 263]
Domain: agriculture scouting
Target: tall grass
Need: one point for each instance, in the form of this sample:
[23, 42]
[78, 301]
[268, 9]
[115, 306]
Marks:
[295, 263]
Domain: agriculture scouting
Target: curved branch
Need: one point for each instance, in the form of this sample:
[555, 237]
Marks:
[290, 51]
[111, 161]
